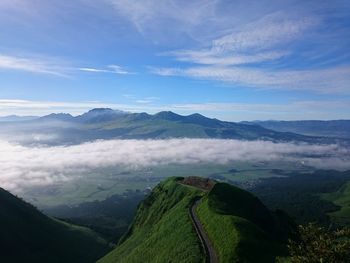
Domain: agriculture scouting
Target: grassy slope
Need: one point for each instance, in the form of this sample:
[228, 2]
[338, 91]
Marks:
[26, 235]
[239, 225]
[342, 199]
[162, 230]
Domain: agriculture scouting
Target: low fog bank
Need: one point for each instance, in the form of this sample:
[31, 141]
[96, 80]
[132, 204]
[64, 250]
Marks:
[25, 166]
[38, 132]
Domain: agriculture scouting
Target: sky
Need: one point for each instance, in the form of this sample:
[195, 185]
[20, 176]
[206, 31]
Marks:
[231, 60]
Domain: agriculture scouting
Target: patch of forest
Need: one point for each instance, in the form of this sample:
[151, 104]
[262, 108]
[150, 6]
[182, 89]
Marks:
[299, 194]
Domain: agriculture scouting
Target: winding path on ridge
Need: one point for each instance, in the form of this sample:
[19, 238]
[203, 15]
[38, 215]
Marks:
[211, 255]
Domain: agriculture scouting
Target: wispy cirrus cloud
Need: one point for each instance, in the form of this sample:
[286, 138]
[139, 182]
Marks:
[267, 32]
[147, 100]
[332, 80]
[52, 66]
[209, 57]
[151, 15]
[116, 69]
[252, 43]
[32, 64]
[256, 55]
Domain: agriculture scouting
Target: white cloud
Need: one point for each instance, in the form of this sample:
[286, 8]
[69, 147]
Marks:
[25, 167]
[31, 64]
[212, 58]
[93, 70]
[333, 80]
[118, 69]
[269, 31]
[52, 66]
[150, 14]
[147, 100]
[256, 55]
[252, 42]
[109, 69]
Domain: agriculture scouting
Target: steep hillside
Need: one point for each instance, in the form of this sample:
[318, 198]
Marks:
[26, 235]
[239, 226]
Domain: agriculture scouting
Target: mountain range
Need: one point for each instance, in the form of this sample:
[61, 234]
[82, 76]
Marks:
[104, 123]
[332, 128]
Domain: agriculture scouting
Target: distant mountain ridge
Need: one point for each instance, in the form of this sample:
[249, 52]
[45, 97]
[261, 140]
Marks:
[331, 128]
[100, 115]
[166, 124]
[105, 123]
[11, 118]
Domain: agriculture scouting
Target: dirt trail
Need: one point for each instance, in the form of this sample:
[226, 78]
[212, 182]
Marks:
[211, 255]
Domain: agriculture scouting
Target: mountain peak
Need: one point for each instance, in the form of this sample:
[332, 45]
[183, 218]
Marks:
[203, 183]
[101, 115]
[100, 110]
[196, 115]
[168, 115]
[58, 116]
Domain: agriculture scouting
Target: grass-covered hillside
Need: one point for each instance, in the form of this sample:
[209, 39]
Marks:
[162, 230]
[240, 227]
[27, 235]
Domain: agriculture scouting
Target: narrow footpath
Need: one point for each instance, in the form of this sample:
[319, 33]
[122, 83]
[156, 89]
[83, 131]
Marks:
[211, 256]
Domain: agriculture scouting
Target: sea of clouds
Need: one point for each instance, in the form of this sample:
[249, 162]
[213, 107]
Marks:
[26, 166]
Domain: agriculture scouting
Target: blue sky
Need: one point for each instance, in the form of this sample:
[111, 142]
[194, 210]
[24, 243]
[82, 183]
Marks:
[231, 60]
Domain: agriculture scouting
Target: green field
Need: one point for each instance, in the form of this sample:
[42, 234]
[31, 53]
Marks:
[342, 199]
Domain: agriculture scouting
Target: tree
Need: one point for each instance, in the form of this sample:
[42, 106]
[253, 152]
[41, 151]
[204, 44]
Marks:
[319, 245]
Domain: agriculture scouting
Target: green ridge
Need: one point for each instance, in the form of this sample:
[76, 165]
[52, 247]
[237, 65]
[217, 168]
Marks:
[241, 228]
[162, 230]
